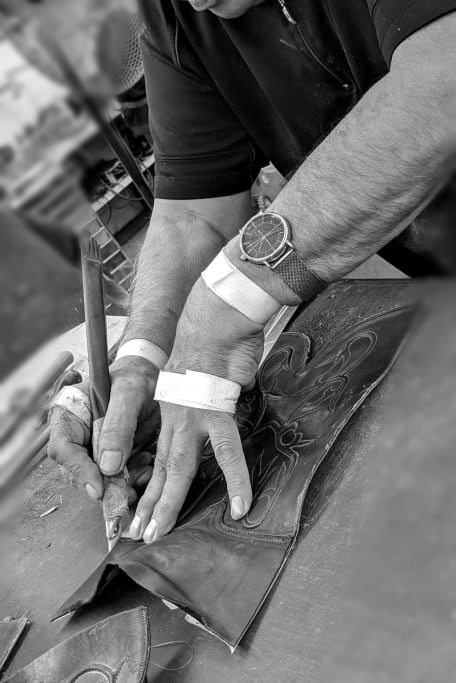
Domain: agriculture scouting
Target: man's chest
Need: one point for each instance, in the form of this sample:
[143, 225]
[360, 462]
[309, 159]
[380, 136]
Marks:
[289, 70]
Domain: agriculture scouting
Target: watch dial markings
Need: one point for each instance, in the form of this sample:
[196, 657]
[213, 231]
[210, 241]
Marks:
[263, 237]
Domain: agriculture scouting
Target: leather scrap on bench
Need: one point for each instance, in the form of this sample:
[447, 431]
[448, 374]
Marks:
[219, 570]
[115, 650]
[11, 631]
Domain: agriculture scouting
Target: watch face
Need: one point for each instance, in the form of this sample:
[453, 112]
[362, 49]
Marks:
[264, 237]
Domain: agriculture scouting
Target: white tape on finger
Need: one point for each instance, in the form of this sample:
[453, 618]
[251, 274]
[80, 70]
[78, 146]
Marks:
[198, 390]
[76, 402]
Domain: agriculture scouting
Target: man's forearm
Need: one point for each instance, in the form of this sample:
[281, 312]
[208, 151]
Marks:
[183, 237]
[369, 178]
[172, 257]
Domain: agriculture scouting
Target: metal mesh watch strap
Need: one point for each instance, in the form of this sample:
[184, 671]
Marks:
[299, 277]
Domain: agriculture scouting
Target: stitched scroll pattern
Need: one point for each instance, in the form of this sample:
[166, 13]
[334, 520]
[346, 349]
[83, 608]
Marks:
[325, 384]
[270, 473]
[316, 392]
[275, 377]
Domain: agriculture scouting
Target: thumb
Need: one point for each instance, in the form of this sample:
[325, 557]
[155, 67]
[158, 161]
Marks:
[119, 427]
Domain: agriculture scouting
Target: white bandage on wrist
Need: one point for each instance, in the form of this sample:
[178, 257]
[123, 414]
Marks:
[145, 349]
[76, 402]
[239, 291]
[198, 390]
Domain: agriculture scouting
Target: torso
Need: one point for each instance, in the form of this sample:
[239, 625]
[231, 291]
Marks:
[289, 84]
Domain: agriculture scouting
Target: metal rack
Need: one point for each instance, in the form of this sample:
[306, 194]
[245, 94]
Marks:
[116, 264]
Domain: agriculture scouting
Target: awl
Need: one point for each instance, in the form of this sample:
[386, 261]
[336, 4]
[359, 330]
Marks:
[115, 497]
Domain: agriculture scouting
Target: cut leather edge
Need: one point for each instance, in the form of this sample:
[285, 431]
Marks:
[145, 646]
[21, 623]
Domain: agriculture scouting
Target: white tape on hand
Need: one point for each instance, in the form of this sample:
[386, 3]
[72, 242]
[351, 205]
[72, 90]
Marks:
[74, 401]
[198, 390]
[145, 349]
[238, 290]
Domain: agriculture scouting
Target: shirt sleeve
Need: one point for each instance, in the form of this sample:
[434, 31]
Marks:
[201, 149]
[395, 20]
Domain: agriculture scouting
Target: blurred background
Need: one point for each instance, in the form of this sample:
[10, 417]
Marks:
[75, 153]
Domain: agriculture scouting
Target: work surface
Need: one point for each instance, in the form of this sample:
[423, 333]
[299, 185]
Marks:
[294, 630]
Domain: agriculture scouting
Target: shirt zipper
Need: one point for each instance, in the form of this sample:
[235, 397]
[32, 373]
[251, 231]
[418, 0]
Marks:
[173, 38]
[291, 20]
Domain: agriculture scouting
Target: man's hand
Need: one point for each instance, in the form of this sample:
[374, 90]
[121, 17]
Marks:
[211, 337]
[129, 426]
[183, 237]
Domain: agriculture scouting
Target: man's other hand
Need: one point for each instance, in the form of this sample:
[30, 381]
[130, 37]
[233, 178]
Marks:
[214, 338]
[129, 428]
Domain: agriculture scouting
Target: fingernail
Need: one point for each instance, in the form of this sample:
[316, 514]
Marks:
[237, 507]
[111, 461]
[150, 532]
[92, 492]
[135, 527]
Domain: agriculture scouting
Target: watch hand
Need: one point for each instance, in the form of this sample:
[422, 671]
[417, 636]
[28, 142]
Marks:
[257, 241]
[270, 233]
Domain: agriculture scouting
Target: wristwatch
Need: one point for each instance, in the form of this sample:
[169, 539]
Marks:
[265, 240]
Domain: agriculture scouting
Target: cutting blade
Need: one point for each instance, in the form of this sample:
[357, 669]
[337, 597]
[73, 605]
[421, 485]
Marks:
[113, 531]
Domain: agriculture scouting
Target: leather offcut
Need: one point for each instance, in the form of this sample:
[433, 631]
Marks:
[219, 570]
[116, 650]
[11, 631]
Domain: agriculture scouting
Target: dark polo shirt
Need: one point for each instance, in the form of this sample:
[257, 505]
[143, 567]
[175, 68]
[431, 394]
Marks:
[228, 96]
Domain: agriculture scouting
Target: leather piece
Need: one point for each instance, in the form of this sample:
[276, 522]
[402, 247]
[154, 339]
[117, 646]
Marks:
[116, 650]
[220, 570]
[10, 632]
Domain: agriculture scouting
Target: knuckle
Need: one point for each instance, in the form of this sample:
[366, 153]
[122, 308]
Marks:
[219, 421]
[159, 466]
[174, 464]
[113, 437]
[162, 451]
[164, 508]
[110, 434]
[225, 452]
[179, 465]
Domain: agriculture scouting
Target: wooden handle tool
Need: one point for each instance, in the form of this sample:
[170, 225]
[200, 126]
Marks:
[115, 497]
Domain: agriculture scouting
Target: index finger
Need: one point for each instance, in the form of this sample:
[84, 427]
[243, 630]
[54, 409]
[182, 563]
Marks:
[227, 445]
[68, 446]
[181, 467]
